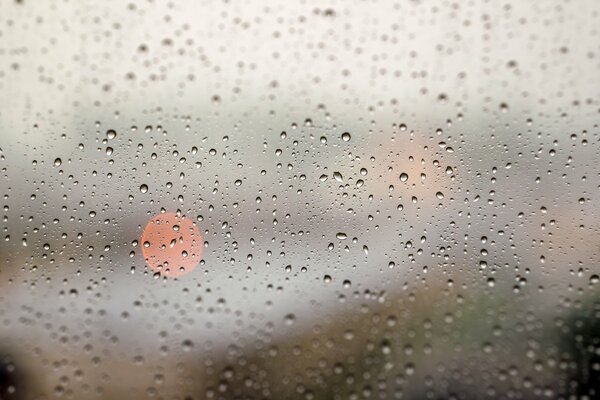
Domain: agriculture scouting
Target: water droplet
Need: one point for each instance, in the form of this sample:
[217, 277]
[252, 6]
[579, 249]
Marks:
[187, 345]
[289, 319]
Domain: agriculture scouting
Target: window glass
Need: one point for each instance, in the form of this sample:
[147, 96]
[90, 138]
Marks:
[299, 200]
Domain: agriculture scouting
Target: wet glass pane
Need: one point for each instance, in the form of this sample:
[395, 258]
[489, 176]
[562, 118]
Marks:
[299, 200]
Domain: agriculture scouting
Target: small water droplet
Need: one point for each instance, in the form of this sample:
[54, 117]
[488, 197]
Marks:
[289, 319]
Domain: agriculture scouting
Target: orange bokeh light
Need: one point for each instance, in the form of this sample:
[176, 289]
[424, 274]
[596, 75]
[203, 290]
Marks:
[171, 245]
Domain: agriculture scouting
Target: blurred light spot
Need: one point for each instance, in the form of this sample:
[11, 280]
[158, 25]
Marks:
[171, 245]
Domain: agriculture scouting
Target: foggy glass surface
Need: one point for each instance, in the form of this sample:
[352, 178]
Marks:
[353, 199]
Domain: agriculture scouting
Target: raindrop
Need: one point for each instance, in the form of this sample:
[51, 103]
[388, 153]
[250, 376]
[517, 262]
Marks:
[187, 345]
[289, 319]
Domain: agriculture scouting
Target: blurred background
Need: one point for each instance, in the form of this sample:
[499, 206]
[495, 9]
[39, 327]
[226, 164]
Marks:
[397, 199]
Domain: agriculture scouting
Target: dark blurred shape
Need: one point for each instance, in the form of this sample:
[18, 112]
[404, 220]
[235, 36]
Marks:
[11, 378]
[582, 344]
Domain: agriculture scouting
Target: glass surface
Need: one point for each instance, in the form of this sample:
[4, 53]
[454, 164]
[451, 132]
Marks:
[299, 200]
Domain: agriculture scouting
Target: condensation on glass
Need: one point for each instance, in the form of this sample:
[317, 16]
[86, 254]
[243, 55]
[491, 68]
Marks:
[299, 200]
